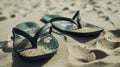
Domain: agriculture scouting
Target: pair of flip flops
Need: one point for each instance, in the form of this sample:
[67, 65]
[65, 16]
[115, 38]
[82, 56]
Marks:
[32, 42]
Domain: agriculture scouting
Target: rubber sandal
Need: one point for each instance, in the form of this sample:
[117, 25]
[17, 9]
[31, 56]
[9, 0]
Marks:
[32, 42]
[72, 25]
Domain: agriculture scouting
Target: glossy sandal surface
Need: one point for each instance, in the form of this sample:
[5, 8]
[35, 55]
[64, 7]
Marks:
[29, 36]
[72, 25]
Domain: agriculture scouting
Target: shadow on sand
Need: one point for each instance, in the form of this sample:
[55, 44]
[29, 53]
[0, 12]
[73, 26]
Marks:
[18, 61]
[77, 38]
[21, 62]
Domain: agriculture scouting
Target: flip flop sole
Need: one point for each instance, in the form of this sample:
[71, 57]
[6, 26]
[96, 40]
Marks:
[22, 38]
[68, 26]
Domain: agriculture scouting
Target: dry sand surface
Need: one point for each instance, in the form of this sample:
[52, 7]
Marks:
[101, 51]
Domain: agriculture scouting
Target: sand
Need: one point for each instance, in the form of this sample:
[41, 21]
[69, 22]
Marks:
[40, 50]
[101, 51]
[85, 29]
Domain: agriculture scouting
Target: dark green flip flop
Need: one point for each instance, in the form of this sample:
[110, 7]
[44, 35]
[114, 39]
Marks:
[72, 25]
[32, 42]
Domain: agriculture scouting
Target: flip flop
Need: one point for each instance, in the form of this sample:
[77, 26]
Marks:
[72, 25]
[32, 42]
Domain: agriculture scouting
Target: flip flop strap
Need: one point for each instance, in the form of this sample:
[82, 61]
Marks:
[26, 35]
[62, 18]
[77, 18]
[42, 31]
[39, 33]
[47, 18]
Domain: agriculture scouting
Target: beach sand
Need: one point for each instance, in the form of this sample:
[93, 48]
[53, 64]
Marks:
[100, 51]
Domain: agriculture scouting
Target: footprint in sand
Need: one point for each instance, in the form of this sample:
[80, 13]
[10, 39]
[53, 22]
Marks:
[84, 55]
[113, 35]
[3, 18]
[110, 41]
[94, 55]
